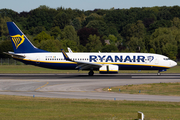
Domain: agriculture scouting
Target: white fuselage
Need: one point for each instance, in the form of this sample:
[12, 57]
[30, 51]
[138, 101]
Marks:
[134, 61]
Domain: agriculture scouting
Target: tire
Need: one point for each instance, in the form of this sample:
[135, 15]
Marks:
[91, 73]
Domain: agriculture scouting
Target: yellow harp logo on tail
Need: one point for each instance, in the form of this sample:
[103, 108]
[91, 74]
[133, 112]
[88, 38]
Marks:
[18, 40]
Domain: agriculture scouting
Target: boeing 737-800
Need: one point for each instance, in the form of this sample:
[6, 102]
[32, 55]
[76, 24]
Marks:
[106, 63]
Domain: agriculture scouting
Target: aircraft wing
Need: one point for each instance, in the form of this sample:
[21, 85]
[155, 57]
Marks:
[87, 65]
[14, 55]
[81, 65]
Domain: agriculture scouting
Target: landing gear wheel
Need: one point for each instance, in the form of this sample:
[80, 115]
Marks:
[91, 73]
[158, 73]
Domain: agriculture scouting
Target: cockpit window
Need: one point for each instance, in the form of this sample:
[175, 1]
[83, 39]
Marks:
[166, 59]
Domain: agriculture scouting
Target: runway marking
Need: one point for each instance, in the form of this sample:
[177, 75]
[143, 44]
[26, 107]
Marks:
[42, 86]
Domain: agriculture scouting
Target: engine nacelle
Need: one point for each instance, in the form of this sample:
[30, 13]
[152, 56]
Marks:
[109, 69]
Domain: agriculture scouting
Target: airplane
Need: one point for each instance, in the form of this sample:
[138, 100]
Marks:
[105, 63]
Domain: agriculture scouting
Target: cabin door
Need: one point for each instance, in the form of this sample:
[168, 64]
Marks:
[156, 60]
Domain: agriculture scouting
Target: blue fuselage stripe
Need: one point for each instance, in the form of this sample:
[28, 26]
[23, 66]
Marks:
[72, 66]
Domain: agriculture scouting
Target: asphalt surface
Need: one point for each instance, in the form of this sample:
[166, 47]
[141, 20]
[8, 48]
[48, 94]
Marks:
[81, 86]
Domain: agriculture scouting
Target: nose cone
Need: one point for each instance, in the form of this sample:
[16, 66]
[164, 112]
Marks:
[173, 63]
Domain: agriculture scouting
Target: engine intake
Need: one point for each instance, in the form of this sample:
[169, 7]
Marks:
[109, 69]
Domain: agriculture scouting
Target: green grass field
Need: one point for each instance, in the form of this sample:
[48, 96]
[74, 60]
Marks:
[34, 70]
[29, 108]
[170, 89]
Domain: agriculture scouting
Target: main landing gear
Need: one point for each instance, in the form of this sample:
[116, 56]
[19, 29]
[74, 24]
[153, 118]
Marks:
[91, 73]
[159, 73]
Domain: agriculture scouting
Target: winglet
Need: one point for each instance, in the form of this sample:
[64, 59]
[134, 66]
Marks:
[14, 55]
[65, 55]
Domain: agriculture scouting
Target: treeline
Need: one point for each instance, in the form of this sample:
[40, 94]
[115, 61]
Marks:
[148, 29]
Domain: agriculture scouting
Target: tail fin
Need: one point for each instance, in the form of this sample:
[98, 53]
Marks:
[20, 42]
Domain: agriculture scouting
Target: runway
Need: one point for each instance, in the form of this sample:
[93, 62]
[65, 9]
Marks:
[81, 86]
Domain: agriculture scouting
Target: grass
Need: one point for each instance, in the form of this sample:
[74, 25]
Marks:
[170, 89]
[21, 108]
[34, 70]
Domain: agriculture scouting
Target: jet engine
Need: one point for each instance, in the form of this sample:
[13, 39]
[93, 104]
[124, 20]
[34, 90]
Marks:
[108, 69]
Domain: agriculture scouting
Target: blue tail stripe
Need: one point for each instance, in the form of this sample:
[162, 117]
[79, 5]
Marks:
[20, 42]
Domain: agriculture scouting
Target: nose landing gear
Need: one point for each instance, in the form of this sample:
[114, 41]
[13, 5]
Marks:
[160, 71]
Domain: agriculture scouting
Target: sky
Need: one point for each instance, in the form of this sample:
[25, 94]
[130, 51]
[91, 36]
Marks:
[27, 5]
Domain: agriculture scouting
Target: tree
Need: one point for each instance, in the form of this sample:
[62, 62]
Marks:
[134, 30]
[176, 32]
[37, 30]
[14, 16]
[61, 20]
[42, 36]
[99, 25]
[176, 22]
[163, 42]
[136, 45]
[164, 14]
[77, 24]
[112, 30]
[69, 43]
[84, 34]
[41, 16]
[151, 50]
[51, 45]
[5, 46]
[94, 44]
[140, 29]
[158, 24]
[110, 48]
[170, 50]
[55, 32]
[3, 26]
[112, 39]
[91, 17]
[175, 11]
[70, 34]
[118, 18]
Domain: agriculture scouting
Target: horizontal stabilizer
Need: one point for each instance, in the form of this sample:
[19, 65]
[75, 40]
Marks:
[14, 55]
